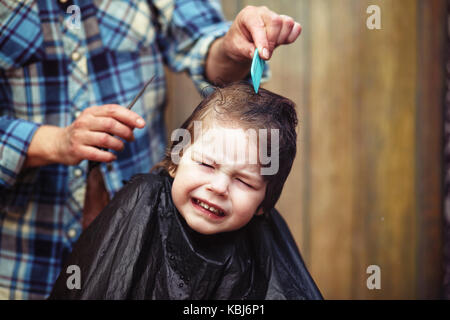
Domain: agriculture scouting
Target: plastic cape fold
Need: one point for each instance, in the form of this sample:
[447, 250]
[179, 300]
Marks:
[140, 247]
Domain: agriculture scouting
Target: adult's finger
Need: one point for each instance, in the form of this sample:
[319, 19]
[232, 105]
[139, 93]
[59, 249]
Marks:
[252, 21]
[287, 25]
[102, 140]
[122, 114]
[295, 32]
[112, 126]
[94, 154]
[273, 24]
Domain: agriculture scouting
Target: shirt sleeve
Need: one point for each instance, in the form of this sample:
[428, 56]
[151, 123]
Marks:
[188, 30]
[15, 138]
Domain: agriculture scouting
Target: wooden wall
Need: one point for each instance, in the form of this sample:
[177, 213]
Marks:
[366, 184]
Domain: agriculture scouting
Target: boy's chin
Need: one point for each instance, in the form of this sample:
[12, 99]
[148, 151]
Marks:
[203, 229]
[201, 226]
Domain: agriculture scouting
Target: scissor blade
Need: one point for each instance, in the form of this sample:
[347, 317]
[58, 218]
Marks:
[140, 93]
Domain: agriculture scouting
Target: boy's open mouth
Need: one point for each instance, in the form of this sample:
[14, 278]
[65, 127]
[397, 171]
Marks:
[210, 207]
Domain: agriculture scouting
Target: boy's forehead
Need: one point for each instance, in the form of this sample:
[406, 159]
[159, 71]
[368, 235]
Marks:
[229, 134]
[233, 146]
[227, 141]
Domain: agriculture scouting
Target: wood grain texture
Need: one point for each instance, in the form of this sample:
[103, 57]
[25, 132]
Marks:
[331, 161]
[365, 188]
[429, 138]
[386, 177]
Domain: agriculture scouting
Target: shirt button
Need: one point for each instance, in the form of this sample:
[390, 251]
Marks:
[78, 173]
[75, 56]
[72, 233]
[77, 114]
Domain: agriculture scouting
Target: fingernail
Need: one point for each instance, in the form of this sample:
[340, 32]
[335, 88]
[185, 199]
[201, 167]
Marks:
[265, 53]
[140, 122]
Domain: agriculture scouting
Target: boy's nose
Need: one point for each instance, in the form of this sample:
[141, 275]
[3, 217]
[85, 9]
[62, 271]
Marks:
[219, 184]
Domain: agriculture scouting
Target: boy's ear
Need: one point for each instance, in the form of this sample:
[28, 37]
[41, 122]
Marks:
[172, 171]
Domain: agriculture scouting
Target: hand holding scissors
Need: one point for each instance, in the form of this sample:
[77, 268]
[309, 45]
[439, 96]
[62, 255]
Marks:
[98, 129]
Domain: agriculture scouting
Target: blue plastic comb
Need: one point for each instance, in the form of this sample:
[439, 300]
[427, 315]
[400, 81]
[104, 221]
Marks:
[256, 70]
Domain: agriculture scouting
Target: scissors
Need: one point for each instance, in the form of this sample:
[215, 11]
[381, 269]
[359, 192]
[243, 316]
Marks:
[93, 164]
[140, 93]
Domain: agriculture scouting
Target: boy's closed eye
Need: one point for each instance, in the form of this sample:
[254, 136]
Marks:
[245, 183]
[211, 166]
[206, 164]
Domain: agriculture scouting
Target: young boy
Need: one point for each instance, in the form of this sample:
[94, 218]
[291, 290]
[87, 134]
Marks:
[203, 224]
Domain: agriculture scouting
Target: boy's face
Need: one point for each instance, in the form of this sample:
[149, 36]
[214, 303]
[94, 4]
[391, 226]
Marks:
[209, 175]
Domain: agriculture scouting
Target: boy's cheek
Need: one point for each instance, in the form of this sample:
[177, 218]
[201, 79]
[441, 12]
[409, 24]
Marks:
[252, 205]
[195, 177]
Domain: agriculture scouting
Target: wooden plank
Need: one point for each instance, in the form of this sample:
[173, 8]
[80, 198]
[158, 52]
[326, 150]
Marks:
[331, 195]
[429, 135]
[385, 221]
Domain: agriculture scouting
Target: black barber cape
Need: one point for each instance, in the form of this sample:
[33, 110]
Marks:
[140, 247]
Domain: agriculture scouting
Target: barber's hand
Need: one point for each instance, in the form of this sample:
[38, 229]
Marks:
[97, 127]
[259, 27]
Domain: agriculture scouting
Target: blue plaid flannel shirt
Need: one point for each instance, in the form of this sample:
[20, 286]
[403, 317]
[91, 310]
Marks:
[49, 72]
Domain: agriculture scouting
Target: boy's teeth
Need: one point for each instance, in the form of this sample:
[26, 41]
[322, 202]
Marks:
[207, 207]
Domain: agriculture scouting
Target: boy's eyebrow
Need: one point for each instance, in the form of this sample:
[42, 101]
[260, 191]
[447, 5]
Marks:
[202, 155]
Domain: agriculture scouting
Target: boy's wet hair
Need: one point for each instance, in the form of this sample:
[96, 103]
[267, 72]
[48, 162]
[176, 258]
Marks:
[238, 105]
